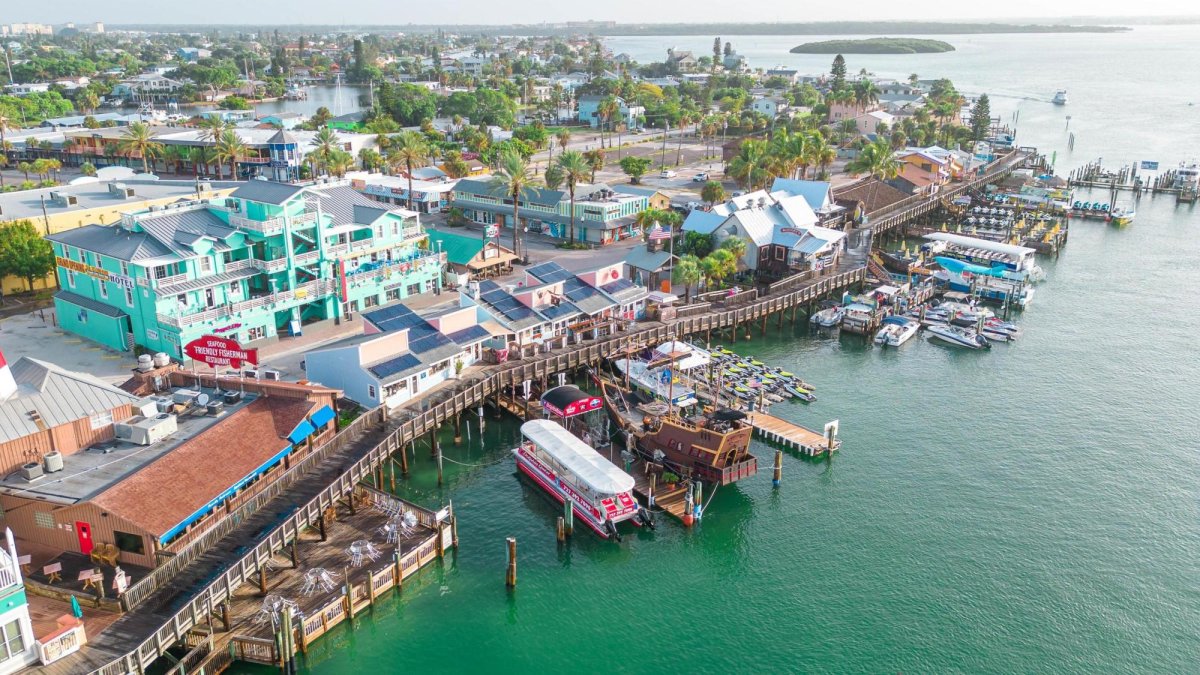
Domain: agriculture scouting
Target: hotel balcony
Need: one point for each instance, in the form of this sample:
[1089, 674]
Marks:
[274, 301]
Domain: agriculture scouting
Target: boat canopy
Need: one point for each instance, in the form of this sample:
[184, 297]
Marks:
[956, 266]
[576, 457]
[972, 242]
[569, 401]
[686, 356]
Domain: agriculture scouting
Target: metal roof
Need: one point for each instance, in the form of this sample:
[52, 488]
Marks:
[178, 230]
[28, 203]
[115, 242]
[89, 304]
[535, 195]
[459, 250]
[57, 395]
[642, 259]
[267, 192]
[205, 282]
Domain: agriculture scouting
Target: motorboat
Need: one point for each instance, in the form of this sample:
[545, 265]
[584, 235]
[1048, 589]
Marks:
[996, 325]
[1122, 215]
[896, 331]
[958, 336]
[828, 318]
[568, 469]
[1060, 97]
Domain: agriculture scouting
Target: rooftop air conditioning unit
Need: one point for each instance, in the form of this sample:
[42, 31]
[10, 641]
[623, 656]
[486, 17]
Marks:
[155, 207]
[63, 199]
[251, 374]
[185, 396]
[272, 375]
[31, 471]
[148, 430]
[147, 407]
[53, 461]
[124, 430]
[120, 190]
[204, 186]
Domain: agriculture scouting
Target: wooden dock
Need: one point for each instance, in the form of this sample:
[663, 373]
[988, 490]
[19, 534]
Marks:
[793, 436]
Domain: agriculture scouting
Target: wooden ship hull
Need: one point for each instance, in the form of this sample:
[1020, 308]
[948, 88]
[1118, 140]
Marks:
[714, 448]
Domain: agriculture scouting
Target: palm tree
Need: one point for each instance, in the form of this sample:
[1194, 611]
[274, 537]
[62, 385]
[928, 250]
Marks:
[865, 93]
[595, 160]
[823, 154]
[719, 265]
[789, 153]
[175, 155]
[5, 125]
[325, 143]
[370, 159]
[201, 156]
[229, 148]
[213, 128]
[3, 166]
[607, 109]
[564, 137]
[553, 177]
[138, 139]
[687, 272]
[87, 169]
[574, 170]
[749, 167]
[877, 160]
[25, 168]
[736, 246]
[515, 178]
[339, 163]
[411, 150]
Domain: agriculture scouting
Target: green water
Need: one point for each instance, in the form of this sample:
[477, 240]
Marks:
[1028, 509]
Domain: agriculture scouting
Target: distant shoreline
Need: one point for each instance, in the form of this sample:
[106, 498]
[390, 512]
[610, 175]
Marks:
[875, 46]
[607, 29]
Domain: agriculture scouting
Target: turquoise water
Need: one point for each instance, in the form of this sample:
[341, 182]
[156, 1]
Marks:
[1028, 509]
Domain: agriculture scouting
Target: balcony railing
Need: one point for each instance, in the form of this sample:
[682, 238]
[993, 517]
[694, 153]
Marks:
[269, 265]
[168, 281]
[311, 290]
[268, 226]
[307, 258]
[239, 264]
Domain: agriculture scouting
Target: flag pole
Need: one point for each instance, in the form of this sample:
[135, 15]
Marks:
[671, 259]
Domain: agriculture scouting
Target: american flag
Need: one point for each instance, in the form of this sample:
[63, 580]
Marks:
[754, 383]
[658, 232]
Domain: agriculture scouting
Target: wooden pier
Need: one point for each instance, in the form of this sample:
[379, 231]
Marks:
[673, 502]
[805, 441]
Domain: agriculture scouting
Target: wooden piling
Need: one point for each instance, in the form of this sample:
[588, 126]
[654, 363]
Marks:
[569, 516]
[349, 594]
[262, 580]
[561, 529]
[295, 552]
[510, 575]
[403, 462]
[458, 429]
[777, 474]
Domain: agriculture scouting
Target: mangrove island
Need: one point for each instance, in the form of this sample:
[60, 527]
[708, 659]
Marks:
[875, 46]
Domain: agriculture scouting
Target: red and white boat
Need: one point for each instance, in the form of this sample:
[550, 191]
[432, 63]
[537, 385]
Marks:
[567, 468]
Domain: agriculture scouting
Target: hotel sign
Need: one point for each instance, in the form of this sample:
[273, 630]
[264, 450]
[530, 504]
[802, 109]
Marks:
[94, 272]
[218, 351]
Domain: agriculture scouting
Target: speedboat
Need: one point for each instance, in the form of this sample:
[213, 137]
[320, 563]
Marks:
[958, 336]
[1060, 97]
[1122, 215]
[828, 318]
[996, 325]
[896, 331]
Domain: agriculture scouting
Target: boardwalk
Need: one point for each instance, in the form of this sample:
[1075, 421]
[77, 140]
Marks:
[183, 592]
[790, 435]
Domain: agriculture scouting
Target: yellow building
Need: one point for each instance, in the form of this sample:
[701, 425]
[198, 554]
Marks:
[70, 206]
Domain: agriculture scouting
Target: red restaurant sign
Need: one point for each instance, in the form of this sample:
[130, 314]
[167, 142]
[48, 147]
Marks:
[575, 407]
[218, 351]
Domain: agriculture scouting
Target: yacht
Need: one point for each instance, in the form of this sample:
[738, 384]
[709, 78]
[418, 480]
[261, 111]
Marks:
[1060, 97]
[958, 336]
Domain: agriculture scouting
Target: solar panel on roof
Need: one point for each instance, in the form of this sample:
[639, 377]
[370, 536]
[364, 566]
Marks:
[393, 366]
[550, 272]
[617, 286]
[428, 342]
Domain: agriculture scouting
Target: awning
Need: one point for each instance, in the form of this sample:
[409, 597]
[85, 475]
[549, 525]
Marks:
[301, 432]
[322, 416]
[569, 400]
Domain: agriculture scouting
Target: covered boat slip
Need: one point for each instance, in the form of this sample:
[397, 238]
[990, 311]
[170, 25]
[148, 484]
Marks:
[1019, 257]
[589, 467]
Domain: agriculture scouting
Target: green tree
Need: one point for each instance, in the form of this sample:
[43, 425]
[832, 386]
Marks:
[736, 246]
[371, 160]
[981, 118]
[595, 160]
[574, 169]
[635, 167]
[697, 244]
[712, 192]
[87, 168]
[454, 165]
[234, 103]
[230, 148]
[553, 177]
[24, 253]
[687, 271]
[876, 159]
[138, 140]
[719, 265]
[515, 178]
[837, 74]
[321, 117]
[750, 166]
[410, 150]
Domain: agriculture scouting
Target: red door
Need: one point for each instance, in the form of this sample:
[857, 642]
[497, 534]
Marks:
[84, 532]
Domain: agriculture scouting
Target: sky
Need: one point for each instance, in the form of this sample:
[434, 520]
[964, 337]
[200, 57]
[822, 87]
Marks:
[393, 12]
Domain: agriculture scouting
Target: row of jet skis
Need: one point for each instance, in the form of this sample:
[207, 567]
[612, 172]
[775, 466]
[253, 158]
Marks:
[954, 323]
[750, 379]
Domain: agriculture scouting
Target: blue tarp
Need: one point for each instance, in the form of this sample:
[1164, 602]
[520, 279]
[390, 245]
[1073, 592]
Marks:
[322, 416]
[301, 432]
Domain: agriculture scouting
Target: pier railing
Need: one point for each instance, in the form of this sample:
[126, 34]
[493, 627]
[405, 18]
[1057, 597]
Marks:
[403, 427]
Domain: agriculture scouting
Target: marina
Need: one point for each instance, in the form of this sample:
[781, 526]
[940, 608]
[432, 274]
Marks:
[795, 437]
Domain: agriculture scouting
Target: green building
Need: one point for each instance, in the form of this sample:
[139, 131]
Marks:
[262, 262]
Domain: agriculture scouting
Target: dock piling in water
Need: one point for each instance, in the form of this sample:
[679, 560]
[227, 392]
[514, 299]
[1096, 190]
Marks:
[561, 529]
[569, 516]
[777, 475]
[510, 576]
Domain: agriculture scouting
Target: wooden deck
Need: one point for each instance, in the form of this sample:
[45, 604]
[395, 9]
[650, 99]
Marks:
[790, 435]
[672, 502]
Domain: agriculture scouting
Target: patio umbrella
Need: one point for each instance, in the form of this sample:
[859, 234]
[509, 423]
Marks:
[76, 610]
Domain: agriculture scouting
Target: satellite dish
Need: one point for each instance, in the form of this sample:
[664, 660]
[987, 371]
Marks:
[202, 400]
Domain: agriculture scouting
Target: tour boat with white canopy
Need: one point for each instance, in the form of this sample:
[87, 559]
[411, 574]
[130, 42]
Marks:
[565, 467]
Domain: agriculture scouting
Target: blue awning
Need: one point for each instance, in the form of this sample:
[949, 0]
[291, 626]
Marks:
[322, 416]
[301, 432]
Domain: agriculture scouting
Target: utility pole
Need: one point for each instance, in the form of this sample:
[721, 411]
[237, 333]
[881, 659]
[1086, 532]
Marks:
[662, 162]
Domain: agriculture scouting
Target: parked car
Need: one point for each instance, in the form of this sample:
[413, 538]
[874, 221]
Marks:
[701, 177]
[692, 206]
[666, 173]
[738, 193]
